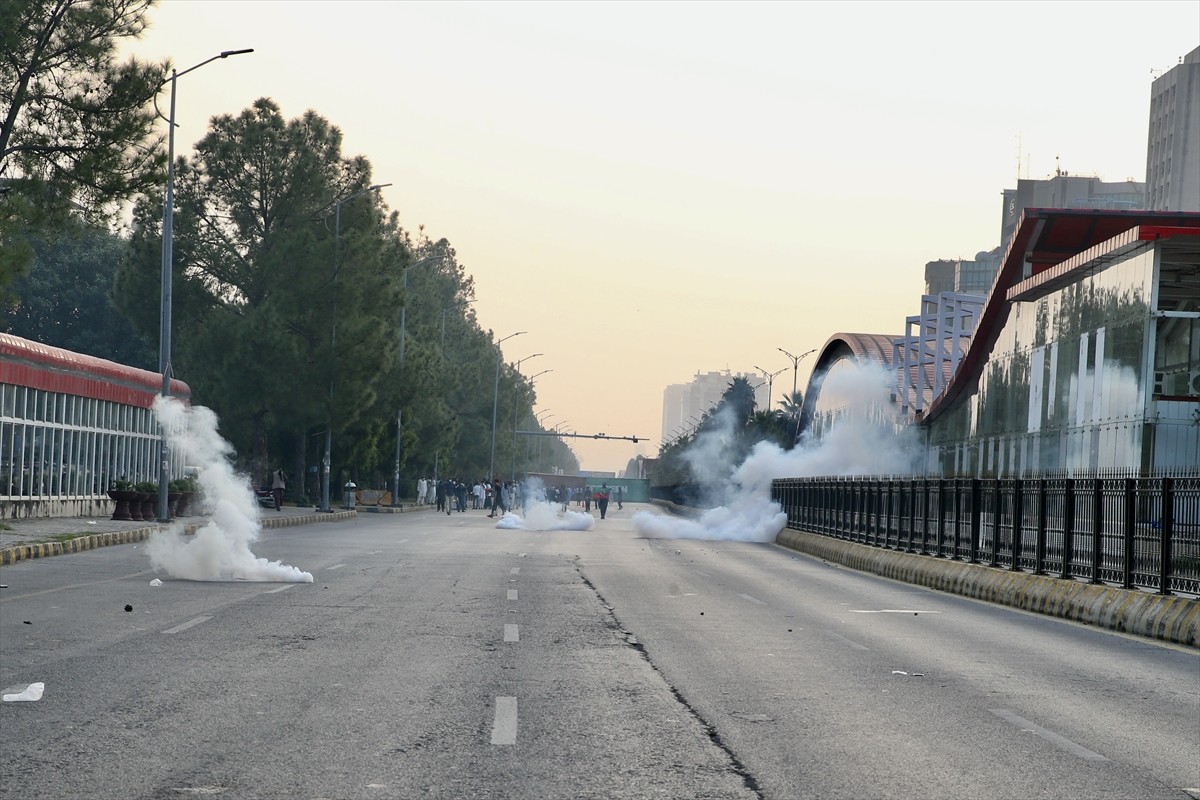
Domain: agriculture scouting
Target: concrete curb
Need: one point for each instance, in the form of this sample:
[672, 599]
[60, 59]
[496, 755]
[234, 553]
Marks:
[24, 552]
[1170, 618]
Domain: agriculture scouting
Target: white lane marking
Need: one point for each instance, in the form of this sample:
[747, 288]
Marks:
[402, 541]
[891, 611]
[511, 633]
[512, 594]
[701, 572]
[199, 790]
[754, 600]
[280, 589]
[846, 641]
[336, 566]
[1050, 736]
[191, 623]
[504, 726]
[515, 571]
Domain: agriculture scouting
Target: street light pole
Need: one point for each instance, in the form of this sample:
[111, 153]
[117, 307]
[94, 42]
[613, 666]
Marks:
[337, 249]
[443, 315]
[771, 382]
[400, 411]
[795, 366]
[495, 402]
[532, 378]
[164, 315]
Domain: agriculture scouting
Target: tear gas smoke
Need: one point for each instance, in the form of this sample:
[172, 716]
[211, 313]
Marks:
[859, 442]
[541, 515]
[219, 551]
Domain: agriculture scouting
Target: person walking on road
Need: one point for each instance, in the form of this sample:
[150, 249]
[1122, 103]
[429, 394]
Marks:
[602, 500]
[278, 484]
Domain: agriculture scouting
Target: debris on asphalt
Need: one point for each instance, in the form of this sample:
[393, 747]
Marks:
[27, 622]
[128, 607]
[899, 672]
[29, 694]
[156, 582]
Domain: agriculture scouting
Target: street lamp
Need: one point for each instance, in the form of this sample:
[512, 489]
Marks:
[495, 401]
[771, 382]
[531, 379]
[164, 314]
[337, 248]
[795, 366]
[400, 411]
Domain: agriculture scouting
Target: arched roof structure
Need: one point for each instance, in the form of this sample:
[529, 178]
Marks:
[860, 348]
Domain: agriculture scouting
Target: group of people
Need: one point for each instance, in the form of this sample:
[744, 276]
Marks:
[498, 496]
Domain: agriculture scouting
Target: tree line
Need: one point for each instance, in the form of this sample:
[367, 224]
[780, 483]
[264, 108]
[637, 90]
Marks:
[290, 274]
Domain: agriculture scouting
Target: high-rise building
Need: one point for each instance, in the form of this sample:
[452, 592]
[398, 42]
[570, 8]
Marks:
[1173, 149]
[684, 404]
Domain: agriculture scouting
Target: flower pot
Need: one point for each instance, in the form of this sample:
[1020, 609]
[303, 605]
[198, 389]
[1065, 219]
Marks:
[122, 498]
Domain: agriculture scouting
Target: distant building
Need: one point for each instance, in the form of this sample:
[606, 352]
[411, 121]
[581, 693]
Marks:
[684, 404]
[939, 276]
[1173, 149]
[1064, 190]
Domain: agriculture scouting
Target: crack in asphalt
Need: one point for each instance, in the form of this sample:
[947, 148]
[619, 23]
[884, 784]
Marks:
[736, 764]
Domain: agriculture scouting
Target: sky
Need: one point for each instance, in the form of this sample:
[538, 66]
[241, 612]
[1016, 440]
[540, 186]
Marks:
[652, 190]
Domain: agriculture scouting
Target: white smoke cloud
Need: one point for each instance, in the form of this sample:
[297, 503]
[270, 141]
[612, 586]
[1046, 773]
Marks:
[862, 441]
[543, 516]
[219, 551]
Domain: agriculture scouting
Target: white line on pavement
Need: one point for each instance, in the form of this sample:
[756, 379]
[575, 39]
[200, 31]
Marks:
[846, 641]
[891, 611]
[752, 599]
[337, 566]
[512, 594]
[189, 624]
[515, 571]
[280, 589]
[1050, 736]
[504, 726]
[511, 633]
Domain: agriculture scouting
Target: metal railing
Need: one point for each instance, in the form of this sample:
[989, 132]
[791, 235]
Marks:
[1134, 531]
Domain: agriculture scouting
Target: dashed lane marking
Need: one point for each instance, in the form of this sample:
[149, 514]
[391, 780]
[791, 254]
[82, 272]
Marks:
[512, 633]
[280, 589]
[891, 611]
[754, 600]
[504, 725]
[336, 566]
[1053, 738]
[515, 571]
[191, 623]
[512, 594]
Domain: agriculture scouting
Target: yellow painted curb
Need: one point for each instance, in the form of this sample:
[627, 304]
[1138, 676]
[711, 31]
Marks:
[1167, 617]
[25, 552]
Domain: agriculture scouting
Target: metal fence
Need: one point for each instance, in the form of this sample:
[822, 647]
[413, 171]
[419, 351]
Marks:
[1134, 531]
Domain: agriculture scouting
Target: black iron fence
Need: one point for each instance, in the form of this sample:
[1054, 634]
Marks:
[1132, 531]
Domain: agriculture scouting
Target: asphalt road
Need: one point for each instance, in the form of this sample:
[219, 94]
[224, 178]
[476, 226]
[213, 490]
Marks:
[435, 656]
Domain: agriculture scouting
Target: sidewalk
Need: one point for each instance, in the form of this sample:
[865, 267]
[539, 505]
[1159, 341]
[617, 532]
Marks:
[42, 537]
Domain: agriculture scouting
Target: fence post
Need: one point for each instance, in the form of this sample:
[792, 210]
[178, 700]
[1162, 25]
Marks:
[997, 521]
[941, 522]
[1168, 531]
[1130, 527]
[925, 516]
[1068, 528]
[1097, 529]
[887, 525]
[957, 516]
[1018, 512]
[1039, 552]
[976, 495]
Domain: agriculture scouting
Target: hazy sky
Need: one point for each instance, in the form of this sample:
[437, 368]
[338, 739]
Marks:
[656, 189]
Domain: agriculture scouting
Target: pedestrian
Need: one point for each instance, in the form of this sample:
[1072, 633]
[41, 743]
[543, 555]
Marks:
[620, 493]
[602, 499]
[278, 484]
[421, 491]
[430, 490]
[460, 494]
[497, 498]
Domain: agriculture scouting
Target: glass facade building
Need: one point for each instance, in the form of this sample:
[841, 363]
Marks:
[70, 425]
[1086, 355]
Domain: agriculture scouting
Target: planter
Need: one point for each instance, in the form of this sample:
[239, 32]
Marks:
[149, 510]
[123, 499]
[173, 499]
[186, 505]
